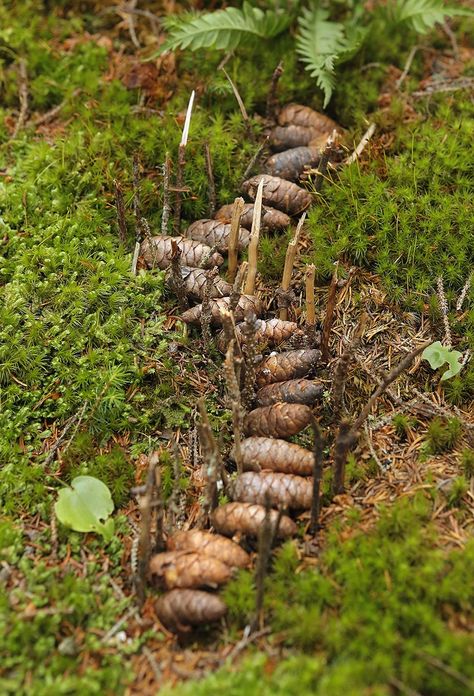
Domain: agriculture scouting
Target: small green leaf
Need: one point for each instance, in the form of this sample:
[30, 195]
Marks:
[437, 355]
[85, 505]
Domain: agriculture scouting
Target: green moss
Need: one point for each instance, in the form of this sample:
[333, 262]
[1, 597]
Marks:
[442, 435]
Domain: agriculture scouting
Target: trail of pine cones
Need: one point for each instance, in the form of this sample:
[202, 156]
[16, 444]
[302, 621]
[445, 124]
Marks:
[275, 472]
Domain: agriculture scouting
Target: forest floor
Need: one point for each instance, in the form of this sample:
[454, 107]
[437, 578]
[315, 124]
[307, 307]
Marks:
[97, 372]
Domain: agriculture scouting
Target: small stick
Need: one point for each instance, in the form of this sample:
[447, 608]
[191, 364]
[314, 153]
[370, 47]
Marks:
[361, 146]
[120, 208]
[253, 246]
[228, 323]
[249, 329]
[254, 159]
[181, 164]
[241, 104]
[290, 258]
[177, 282]
[212, 459]
[309, 275]
[345, 439]
[443, 305]
[387, 381]
[318, 453]
[407, 67]
[265, 540]
[206, 313]
[232, 365]
[464, 291]
[236, 291]
[271, 98]
[23, 97]
[137, 213]
[165, 216]
[158, 503]
[234, 237]
[210, 180]
[342, 367]
[324, 161]
[329, 316]
[145, 500]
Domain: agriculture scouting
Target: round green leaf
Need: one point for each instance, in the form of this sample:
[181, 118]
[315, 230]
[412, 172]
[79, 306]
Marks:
[85, 505]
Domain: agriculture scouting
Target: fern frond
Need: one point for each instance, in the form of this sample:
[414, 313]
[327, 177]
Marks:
[318, 44]
[422, 15]
[226, 29]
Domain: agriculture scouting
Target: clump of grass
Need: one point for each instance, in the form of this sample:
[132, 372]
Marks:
[442, 435]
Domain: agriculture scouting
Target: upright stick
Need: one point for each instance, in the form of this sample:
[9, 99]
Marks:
[329, 316]
[290, 258]
[181, 163]
[165, 217]
[210, 181]
[318, 453]
[234, 237]
[253, 246]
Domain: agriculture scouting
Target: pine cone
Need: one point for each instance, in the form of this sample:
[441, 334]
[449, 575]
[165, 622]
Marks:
[272, 219]
[210, 544]
[194, 280]
[179, 610]
[294, 391]
[189, 569]
[246, 303]
[289, 137]
[290, 364]
[269, 332]
[247, 519]
[279, 420]
[276, 455]
[290, 164]
[157, 251]
[216, 234]
[299, 115]
[282, 194]
[281, 490]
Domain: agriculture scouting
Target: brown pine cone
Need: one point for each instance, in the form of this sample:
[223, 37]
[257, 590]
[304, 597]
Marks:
[179, 610]
[276, 455]
[290, 364]
[282, 194]
[189, 569]
[299, 115]
[281, 490]
[294, 391]
[291, 164]
[157, 252]
[269, 333]
[210, 544]
[279, 420]
[194, 281]
[216, 234]
[247, 519]
[246, 303]
[289, 137]
[272, 219]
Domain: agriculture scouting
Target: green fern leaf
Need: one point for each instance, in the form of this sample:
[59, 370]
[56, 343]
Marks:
[318, 44]
[226, 29]
[422, 15]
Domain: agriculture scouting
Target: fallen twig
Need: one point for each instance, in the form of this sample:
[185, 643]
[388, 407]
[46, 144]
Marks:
[361, 146]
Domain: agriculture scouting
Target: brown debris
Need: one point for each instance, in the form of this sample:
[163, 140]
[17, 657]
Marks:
[179, 610]
[216, 234]
[246, 518]
[246, 303]
[282, 194]
[157, 252]
[210, 544]
[290, 164]
[290, 364]
[282, 490]
[276, 455]
[279, 420]
[189, 569]
[272, 219]
[294, 391]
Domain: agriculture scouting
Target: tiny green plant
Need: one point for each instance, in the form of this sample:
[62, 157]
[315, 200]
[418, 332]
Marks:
[437, 355]
[324, 38]
[86, 507]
